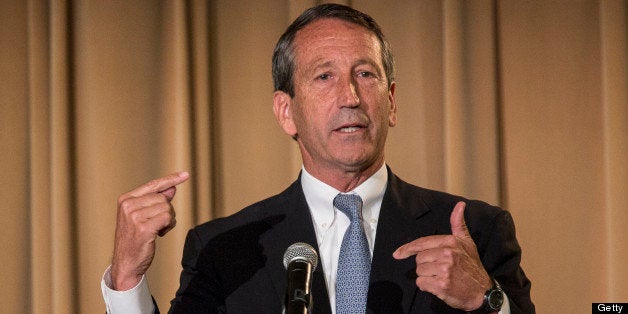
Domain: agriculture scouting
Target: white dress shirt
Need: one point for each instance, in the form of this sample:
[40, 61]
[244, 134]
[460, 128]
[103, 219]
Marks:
[136, 300]
[330, 224]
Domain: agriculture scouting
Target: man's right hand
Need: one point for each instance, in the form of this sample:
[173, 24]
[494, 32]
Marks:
[143, 214]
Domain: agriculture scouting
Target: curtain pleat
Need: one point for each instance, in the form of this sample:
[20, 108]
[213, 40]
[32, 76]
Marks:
[39, 69]
[470, 104]
[614, 53]
[63, 226]
[201, 115]
[14, 165]
[517, 103]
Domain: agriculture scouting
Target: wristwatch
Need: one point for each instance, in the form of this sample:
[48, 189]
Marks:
[493, 299]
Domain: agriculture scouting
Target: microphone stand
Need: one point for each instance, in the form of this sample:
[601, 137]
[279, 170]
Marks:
[298, 296]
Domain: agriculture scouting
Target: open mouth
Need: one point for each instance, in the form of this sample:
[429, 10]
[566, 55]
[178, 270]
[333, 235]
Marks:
[349, 129]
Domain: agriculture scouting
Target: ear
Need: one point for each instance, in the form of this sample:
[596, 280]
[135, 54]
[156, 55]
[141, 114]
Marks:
[282, 106]
[392, 114]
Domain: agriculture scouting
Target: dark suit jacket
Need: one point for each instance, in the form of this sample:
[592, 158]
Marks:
[235, 264]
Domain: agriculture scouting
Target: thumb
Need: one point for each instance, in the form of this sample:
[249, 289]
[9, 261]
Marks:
[458, 225]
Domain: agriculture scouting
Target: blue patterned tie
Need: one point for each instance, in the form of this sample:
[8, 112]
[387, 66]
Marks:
[354, 263]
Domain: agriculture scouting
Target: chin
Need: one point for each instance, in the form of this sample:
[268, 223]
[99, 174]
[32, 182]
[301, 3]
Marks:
[357, 163]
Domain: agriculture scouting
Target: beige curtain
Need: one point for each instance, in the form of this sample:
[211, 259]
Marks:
[519, 103]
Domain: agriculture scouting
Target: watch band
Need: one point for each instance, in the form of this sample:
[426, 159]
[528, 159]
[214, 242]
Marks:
[493, 299]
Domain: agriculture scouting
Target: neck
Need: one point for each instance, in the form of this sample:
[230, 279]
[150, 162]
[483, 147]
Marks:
[344, 180]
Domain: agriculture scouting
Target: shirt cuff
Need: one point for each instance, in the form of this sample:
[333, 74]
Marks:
[505, 306]
[136, 300]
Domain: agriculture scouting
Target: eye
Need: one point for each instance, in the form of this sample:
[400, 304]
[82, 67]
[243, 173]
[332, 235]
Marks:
[324, 76]
[365, 74]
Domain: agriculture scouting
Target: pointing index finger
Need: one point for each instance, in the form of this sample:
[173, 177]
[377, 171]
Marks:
[161, 184]
[420, 244]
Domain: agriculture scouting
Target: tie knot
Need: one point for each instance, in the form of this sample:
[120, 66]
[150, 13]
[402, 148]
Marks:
[349, 204]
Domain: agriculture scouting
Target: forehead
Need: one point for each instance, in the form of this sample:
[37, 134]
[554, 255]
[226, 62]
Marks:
[329, 36]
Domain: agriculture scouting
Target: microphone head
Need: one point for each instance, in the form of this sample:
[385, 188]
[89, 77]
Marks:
[300, 251]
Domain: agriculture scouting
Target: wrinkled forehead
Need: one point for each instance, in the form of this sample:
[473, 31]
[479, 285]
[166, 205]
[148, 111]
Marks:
[329, 28]
[333, 35]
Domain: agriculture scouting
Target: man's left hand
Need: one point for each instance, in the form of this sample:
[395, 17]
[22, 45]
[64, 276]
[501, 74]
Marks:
[448, 266]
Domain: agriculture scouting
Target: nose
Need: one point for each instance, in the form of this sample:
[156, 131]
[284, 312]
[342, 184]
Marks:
[348, 94]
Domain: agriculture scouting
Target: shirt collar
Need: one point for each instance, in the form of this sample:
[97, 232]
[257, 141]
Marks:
[319, 196]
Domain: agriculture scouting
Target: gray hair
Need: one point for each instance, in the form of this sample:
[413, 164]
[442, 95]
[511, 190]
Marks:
[283, 55]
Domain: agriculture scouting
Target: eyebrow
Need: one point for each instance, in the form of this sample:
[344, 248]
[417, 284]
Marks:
[330, 63]
[364, 61]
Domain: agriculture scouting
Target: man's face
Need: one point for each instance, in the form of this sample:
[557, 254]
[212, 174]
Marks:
[342, 106]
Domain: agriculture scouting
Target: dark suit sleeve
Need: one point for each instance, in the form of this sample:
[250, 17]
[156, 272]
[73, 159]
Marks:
[501, 255]
[198, 292]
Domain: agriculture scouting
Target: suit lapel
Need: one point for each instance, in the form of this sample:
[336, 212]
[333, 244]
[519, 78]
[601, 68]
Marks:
[296, 226]
[403, 217]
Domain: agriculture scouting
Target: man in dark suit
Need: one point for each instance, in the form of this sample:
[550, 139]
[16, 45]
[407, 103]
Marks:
[430, 252]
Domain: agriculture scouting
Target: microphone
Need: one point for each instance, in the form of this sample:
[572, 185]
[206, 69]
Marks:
[300, 261]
